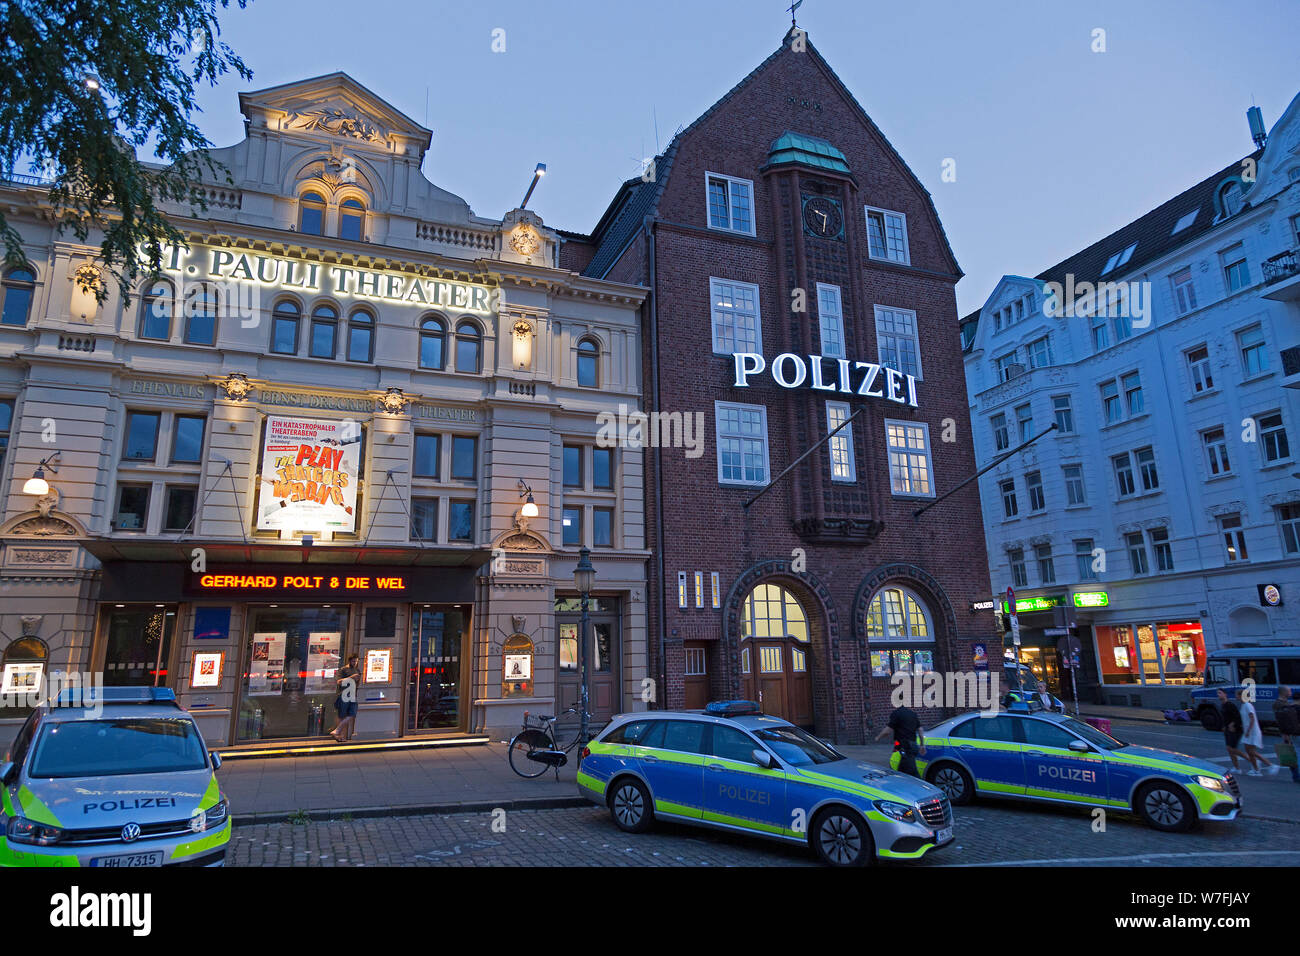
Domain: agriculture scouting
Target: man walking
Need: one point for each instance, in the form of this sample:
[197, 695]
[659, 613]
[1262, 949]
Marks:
[1288, 722]
[1232, 730]
[908, 740]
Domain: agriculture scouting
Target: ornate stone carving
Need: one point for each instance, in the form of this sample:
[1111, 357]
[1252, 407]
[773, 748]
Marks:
[44, 526]
[525, 240]
[517, 621]
[47, 502]
[31, 624]
[522, 540]
[236, 386]
[336, 122]
[393, 401]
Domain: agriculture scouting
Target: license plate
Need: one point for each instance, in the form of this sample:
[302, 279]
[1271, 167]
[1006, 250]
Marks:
[154, 858]
[943, 836]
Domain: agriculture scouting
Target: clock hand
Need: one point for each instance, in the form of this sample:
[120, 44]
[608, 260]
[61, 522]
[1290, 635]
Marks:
[823, 215]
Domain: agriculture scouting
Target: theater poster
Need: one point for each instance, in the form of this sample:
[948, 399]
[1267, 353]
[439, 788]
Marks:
[309, 475]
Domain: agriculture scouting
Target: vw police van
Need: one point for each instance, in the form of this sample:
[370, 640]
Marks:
[1227, 669]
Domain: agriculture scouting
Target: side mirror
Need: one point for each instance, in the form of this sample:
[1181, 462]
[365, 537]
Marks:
[8, 770]
[216, 761]
[763, 759]
[1078, 746]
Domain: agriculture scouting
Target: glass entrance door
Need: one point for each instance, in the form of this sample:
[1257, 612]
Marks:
[287, 688]
[138, 645]
[433, 691]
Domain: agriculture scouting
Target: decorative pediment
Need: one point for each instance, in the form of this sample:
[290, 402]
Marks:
[521, 540]
[34, 524]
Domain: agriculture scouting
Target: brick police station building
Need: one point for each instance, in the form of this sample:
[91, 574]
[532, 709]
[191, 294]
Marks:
[799, 278]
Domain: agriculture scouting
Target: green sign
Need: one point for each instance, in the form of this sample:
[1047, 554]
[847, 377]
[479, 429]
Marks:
[1035, 603]
[1091, 599]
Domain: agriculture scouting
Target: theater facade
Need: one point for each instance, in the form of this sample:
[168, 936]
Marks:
[347, 416]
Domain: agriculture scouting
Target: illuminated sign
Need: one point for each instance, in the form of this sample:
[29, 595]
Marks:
[305, 584]
[1270, 595]
[245, 266]
[982, 606]
[309, 475]
[1091, 599]
[850, 378]
[1035, 603]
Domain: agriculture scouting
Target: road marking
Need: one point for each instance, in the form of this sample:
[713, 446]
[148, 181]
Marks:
[1132, 858]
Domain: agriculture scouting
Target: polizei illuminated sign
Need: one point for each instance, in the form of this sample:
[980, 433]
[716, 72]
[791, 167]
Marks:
[829, 375]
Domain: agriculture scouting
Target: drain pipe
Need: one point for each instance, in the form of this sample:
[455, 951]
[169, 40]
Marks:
[661, 663]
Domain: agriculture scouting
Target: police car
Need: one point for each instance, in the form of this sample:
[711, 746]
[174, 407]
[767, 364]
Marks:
[1058, 759]
[733, 768]
[121, 780]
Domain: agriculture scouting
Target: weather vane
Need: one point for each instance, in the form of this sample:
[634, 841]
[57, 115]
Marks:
[792, 8]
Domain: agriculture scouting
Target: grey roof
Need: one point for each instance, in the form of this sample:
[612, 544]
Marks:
[634, 201]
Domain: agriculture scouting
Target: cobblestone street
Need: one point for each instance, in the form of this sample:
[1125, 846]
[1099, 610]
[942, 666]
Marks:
[986, 834]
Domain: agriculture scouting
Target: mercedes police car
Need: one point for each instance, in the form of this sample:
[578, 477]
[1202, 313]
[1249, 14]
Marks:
[733, 768]
[1057, 759]
[124, 780]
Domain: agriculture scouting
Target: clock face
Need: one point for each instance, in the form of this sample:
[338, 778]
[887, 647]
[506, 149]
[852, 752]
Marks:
[822, 217]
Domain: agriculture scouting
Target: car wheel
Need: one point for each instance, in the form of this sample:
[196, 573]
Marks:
[1211, 719]
[1165, 807]
[842, 838]
[954, 781]
[629, 805]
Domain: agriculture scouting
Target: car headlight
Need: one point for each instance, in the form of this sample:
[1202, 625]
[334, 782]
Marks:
[22, 830]
[210, 819]
[1210, 783]
[902, 812]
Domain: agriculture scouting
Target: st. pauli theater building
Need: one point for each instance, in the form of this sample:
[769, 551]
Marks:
[801, 292]
[350, 416]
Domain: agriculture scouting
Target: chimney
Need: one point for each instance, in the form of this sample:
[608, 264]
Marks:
[1255, 117]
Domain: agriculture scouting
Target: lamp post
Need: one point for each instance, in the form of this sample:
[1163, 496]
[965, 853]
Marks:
[583, 576]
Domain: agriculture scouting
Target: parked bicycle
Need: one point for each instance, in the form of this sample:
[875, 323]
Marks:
[545, 742]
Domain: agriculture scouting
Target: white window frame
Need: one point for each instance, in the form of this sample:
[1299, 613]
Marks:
[841, 446]
[830, 320]
[884, 223]
[718, 408]
[1216, 452]
[914, 336]
[1262, 345]
[1200, 370]
[1265, 461]
[730, 181]
[1068, 409]
[909, 453]
[1159, 547]
[1070, 486]
[1184, 304]
[716, 311]
[1238, 531]
[1046, 342]
[1288, 524]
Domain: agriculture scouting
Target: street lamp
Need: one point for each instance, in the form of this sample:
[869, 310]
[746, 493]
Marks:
[36, 484]
[538, 173]
[584, 576]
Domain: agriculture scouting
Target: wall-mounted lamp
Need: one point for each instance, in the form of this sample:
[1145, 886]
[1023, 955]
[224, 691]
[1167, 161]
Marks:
[538, 173]
[36, 484]
[529, 510]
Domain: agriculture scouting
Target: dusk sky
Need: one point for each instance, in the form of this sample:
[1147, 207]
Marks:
[1055, 145]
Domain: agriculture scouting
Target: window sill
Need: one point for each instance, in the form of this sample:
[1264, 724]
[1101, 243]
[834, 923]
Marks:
[1204, 393]
[1223, 477]
[1081, 506]
[907, 263]
[1126, 421]
[1143, 496]
[724, 230]
[1262, 376]
[1280, 463]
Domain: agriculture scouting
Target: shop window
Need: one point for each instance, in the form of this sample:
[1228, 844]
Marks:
[770, 611]
[427, 456]
[361, 336]
[311, 214]
[469, 348]
[433, 343]
[602, 527]
[18, 290]
[460, 521]
[288, 686]
[138, 645]
[179, 510]
[352, 220]
[187, 439]
[324, 332]
[572, 527]
[1116, 655]
[132, 508]
[1182, 651]
[285, 319]
[602, 468]
[424, 519]
[588, 364]
[156, 307]
[201, 308]
[141, 436]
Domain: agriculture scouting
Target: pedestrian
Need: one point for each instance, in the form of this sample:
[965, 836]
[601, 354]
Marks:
[1046, 700]
[908, 740]
[348, 681]
[1252, 737]
[1288, 721]
[1232, 729]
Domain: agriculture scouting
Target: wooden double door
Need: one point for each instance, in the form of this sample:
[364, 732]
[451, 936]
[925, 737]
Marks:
[776, 672]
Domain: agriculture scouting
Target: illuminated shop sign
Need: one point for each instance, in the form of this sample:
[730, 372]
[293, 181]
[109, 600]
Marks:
[1091, 599]
[308, 585]
[829, 375]
[1035, 603]
[235, 265]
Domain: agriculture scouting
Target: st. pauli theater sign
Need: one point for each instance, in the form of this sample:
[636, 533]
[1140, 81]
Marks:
[309, 475]
[866, 379]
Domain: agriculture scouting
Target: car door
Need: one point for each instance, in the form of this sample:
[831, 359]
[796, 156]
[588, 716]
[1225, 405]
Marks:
[738, 791]
[988, 745]
[1054, 771]
[671, 759]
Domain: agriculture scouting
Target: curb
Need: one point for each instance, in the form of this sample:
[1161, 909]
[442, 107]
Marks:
[359, 813]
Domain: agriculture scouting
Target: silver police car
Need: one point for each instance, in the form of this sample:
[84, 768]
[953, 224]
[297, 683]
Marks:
[118, 778]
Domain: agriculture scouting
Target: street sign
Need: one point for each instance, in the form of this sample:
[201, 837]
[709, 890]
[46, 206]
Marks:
[1015, 620]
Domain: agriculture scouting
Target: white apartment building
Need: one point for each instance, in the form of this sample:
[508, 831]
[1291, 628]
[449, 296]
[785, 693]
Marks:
[1162, 515]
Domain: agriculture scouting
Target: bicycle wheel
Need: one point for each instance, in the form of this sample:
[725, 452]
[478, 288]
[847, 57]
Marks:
[524, 743]
[566, 728]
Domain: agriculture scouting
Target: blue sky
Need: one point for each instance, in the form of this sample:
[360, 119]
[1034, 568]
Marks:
[1055, 145]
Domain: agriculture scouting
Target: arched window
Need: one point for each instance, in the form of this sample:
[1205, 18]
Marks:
[433, 343]
[18, 290]
[361, 336]
[352, 220]
[311, 214]
[285, 319]
[156, 311]
[201, 315]
[772, 611]
[29, 657]
[588, 364]
[896, 615]
[324, 332]
[469, 347]
[1230, 198]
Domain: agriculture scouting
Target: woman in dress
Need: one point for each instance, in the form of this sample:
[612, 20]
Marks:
[1252, 737]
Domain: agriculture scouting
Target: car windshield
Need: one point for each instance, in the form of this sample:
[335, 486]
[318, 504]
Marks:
[101, 748]
[797, 747]
[1092, 734]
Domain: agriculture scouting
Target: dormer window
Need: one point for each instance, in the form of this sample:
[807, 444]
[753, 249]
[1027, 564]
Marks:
[311, 214]
[352, 219]
[1230, 199]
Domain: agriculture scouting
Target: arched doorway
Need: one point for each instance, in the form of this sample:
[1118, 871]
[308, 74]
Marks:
[775, 659]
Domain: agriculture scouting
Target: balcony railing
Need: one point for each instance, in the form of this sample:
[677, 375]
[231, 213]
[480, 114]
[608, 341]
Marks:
[1282, 266]
[23, 179]
[1291, 361]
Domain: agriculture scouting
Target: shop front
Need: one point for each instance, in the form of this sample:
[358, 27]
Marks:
[1149, 654]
